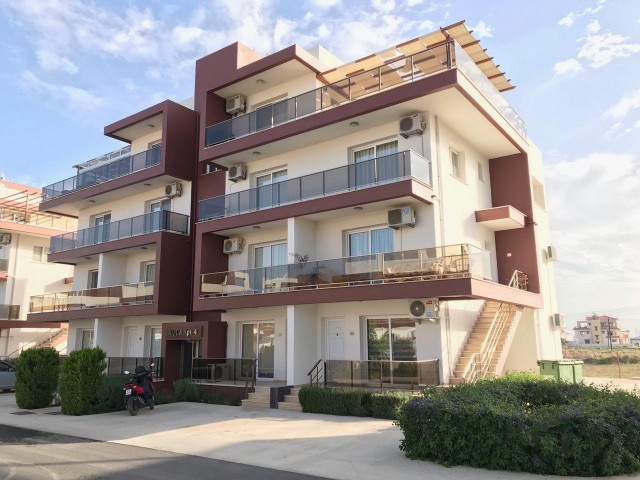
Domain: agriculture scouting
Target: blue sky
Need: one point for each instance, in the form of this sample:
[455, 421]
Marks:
[71, 67]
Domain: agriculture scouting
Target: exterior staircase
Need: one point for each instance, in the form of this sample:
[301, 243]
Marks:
[55, 338]
[484, 353]
[260, 398]
[291, 401]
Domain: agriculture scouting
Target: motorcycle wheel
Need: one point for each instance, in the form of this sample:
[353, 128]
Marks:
[132, 407]
[151, 404]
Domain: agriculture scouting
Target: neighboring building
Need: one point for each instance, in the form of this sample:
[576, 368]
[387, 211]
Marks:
[600, 330]
[326, 199]
[24, 271]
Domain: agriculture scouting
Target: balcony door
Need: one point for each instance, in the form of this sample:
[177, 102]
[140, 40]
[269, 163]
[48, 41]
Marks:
[369, 172]
[269, 188]
[269, 261]
[258, 342]
[155, 218]
[101, 228]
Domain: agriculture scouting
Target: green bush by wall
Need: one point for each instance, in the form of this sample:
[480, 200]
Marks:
[525, 424]
[350, 401]
[37, 371]
[81, 381]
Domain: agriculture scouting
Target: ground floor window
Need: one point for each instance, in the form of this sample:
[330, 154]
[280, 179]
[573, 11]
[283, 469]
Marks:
[86, 338]
[391, 339]
[155, 341]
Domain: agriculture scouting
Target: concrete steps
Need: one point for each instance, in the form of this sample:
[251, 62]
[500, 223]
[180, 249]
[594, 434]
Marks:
[261, 398]
[291, 401]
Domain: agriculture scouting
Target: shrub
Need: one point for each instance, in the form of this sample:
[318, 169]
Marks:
[185, 390]
[37, 372]
[163, 397]
[334, 401]
[110, 396]
[525, 424]
[82, 378]
[386, 405]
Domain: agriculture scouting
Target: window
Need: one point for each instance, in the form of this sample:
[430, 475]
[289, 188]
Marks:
[271, 190]
[101, 227]
[386, 168]
[457, 165]
[40, 254]
[92, 280]
[271, 112]
[86, 338]
[391, 339]
[480, 172]
[155, 220]
[148, 272]
[269, 262]
[155, 341]
[367, 242]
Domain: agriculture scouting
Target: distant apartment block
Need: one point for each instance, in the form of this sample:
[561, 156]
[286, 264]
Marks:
[600, 330]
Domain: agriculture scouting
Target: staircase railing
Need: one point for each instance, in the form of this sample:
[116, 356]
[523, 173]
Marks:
[519, 280]
[52, 332]
[481, 361]
[250, 377]
[316, 374]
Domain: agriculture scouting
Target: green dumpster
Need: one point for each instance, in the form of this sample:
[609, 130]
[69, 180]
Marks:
[565, 370]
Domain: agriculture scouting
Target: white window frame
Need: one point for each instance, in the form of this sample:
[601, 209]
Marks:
[460, 167]
[155, 144]
[262, 245]
[81, 333]
[42, 256]
[388, 318]
[89, 274]
[347, 233]
[93, 218]
[374, 144]
[270, 172]
[143, 271]
[149, 338]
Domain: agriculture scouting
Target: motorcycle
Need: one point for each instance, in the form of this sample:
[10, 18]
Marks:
[134, 391]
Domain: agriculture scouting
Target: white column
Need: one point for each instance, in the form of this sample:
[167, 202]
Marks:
[302, 342]
[301, 238]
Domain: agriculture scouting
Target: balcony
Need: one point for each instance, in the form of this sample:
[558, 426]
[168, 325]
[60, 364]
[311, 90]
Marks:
[35, 219]
[104, 173]
[397, 73]
[351, 177]
[9, 312]
[93, 298]
[127, 228]
[452, 261]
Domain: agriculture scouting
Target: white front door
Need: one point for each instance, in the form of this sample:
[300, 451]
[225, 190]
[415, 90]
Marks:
[335, 339]
[130, 338]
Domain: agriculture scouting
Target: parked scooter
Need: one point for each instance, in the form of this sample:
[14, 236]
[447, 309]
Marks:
[138, 393]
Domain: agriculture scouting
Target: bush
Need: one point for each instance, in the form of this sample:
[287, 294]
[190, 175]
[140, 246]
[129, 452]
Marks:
[525, 424]
[185, 390]
[386, 405]
[110, 396]
[163, 397]
[82, 378]
[37, 372]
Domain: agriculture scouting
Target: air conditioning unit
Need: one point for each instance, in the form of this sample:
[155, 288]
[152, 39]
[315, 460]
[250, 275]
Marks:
[558, 320]
[402, 217]
[221, 372]
[551, 254]
[427, 308]
[235, 104]
[173, 189]
[412, 125]
[5, 238]
[233, 245]
[237, 172]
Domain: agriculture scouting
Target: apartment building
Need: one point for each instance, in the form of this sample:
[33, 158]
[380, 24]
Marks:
[24, 271]
[390, 209]
[132, 250]
[600, 330]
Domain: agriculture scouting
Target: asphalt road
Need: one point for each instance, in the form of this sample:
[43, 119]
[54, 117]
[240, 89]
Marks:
[33, 455]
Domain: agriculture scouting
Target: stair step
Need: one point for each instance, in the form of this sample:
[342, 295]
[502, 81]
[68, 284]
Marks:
[290, 406]
[259, 398]
[262, 390]
[253, 404]
[295, 391]
[291, 399]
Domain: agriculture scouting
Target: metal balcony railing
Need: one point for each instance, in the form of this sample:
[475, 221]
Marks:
[119, 365]
[382, 373]
[45, 220]
[462, 260]
[115, 296]
[103, 173]
[377, 171]
[399, 72]
[129, 227]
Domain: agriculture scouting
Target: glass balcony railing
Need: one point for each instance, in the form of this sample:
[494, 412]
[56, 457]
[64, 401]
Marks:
[9, 312]
[381, 373]
[365, 174]
[435, 263]
[400, 72]
[372, 81]
[103, 173]
[119, 295]
[36, 219]
[129, 227]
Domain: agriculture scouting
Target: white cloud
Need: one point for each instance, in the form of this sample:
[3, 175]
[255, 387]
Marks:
[52, 61]
[325, 3]
[601, 49]
[593, 27]
[583, 196]
[568, 20]
[625, 105]
[383, 6]
[567, 66]
[413, 3]
[482, 30]
[77, 102]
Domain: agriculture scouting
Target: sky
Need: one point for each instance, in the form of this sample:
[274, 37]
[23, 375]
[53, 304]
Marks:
[70, 67]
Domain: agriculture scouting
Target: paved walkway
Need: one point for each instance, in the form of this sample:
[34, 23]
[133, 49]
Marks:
[323, 445]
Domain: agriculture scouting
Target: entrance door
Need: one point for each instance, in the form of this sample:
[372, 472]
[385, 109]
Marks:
[258, 342]
[130, 337]
[335, 339]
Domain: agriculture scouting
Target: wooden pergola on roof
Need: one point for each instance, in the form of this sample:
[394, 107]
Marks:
[457, 31]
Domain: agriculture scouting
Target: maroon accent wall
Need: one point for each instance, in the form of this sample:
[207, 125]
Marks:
[209, 258]
[71, 256]
[180, 141]
[173, 274]
[211, 184]
[402, 188]
[103, 312]
[510, 185]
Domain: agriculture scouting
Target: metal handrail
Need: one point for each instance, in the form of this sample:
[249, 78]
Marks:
[519, 280]
[250, 376]
[52, 332]
[315, 376]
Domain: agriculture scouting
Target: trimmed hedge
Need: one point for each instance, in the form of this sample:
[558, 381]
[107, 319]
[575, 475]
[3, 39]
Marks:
[37, 371]
[525, 424]
[350, 401]
[81, 381]
[186, 390]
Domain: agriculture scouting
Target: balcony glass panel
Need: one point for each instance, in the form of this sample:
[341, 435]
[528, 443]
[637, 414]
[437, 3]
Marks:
[114, 296]
[103, 173]
[129, 227]
[9, 312]
[368, 173]
[423, 264]
[381, 373]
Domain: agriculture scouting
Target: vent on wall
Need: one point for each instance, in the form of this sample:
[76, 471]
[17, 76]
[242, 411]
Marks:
[558, 320]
